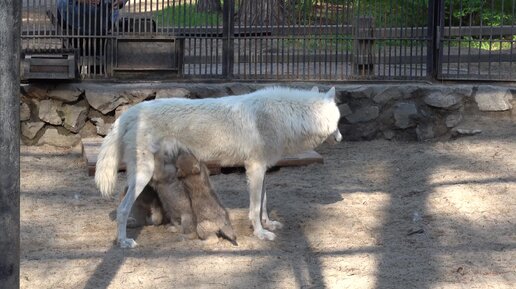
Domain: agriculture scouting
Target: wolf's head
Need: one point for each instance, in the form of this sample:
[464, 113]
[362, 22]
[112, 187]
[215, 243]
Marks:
[334, 114]
[187, 165]
[334, 138]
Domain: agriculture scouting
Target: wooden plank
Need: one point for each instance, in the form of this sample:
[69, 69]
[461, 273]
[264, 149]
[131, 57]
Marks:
[91, 147]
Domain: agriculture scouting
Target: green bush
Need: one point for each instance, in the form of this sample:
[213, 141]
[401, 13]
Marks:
[479, 12]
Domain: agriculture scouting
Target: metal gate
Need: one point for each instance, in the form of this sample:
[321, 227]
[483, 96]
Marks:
[308, 40]
[476, 40]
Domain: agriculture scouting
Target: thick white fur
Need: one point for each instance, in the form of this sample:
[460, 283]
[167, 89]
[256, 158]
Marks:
[255, 129]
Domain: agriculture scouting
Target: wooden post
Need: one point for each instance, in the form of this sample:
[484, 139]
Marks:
[363, 43]
[10, 21]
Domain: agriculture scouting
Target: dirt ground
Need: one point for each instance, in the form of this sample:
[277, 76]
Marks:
[376, 214]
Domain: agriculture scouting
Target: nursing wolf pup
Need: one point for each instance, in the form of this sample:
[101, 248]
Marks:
[210, 215]
[172, 194]
[254, 129]
[147, 209]
[163, 200]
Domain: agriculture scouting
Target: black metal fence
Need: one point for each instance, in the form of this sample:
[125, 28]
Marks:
[310, 40]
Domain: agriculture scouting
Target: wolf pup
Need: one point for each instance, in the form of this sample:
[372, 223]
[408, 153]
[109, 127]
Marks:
[172, 194]
[211, 216]
[147, 209]
[163, 200]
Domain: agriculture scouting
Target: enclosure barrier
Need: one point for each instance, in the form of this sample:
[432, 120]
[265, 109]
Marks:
[328, 40]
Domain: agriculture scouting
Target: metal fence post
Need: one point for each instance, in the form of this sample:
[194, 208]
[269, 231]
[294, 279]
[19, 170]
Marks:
[434, 37]
[10, 21]
[228, 39]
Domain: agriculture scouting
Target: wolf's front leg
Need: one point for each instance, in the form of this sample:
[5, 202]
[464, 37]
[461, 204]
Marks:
[255, 174]
[268, 223]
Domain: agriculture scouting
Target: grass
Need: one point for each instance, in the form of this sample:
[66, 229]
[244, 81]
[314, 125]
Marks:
[186, 15]
[493, 44]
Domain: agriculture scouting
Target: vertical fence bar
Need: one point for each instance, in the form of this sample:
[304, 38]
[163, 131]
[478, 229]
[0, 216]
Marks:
[228, 38]
[490, 43]
[501, 43]
[433, 38]
[10, 21]
[459, 38]
[512, 41]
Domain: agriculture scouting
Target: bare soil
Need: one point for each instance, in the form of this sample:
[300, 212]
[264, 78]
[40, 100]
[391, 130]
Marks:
[376, 214]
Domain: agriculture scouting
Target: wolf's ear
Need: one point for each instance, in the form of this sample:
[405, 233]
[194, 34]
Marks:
[331, 93]
[315, 89]
[196, 168]
[180, 173]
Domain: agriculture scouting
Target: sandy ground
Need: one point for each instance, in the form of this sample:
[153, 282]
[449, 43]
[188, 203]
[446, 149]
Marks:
[376, 214]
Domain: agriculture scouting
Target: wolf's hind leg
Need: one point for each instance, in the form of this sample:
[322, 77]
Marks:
[268, 223]
[255, 173]
[137, 179]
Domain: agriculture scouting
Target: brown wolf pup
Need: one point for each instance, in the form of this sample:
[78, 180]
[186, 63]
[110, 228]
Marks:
[172, 194]
[147, 209]
[211, 217]
[164, 199]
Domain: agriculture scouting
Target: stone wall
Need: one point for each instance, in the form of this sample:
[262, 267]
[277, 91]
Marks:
[62, 114]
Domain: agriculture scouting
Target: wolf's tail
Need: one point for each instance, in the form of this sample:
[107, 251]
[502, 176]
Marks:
[108, 161]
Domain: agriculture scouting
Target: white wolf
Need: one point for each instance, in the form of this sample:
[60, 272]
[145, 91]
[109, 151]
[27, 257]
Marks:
[254, 129]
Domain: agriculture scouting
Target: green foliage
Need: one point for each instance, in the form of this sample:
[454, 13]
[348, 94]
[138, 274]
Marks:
[387, 13]
[186, 15]
[493, 44]
[476, 12]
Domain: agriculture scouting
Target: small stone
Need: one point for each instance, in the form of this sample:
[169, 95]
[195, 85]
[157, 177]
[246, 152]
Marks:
[239, 89]
[442, 100]
[88, 130]
[404, 115]
[425, 132]
[465, 132]
[121, 109]
[24, 111]
[105, 101]
[453, 120]
[65, 93]
[208, 91]
[60, 138]
[394, 92]
[492, 98]
[363, 114]
[173, 93]
[48, 111]
[30, 129]
[388, 134]
[344, 110]
[35, 91]
[75, 116]
[102, 127]
[355, 92]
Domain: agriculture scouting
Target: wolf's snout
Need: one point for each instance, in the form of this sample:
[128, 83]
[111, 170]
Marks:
[334, 138]
[338, 136]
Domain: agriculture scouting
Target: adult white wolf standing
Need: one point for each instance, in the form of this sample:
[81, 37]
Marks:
[255, 129]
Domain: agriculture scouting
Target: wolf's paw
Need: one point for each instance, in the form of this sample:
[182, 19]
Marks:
[127, 243]
[172, 228]
[272, 225]
[211, 240]
[264, 235]
[132, 222]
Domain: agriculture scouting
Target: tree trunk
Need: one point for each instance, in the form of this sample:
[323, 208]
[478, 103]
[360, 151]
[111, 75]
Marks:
[10, 21]
[262, 13]
[209, 6]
